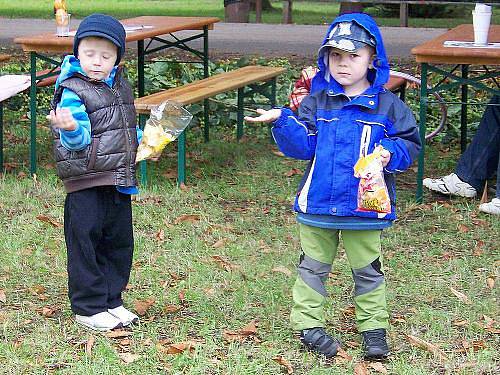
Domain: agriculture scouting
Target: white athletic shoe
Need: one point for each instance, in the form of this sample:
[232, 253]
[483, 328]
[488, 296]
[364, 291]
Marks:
[492, 207]
[125, 316]
[450, 185]
[102, 321]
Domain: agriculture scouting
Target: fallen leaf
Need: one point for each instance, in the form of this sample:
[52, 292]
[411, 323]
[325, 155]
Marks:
[379, 367]
[128, 357]
[49, 311]
[278, 153]
[181, 347]
[88, 346]
[460, 323]
[220, 243]
[283, 362]
[160, 235]
[187, 219]
[182, 296]
[475, 345]
[49, 220]
[490, 281]
[360, 369]
[478, 249]
[3, 296]
[462, 297]
[249, 330]
[427, 346]
[343, 356]
[224, 264]
[119, 333]
[142, 306]
[282, 269]
[170, 309]
[293, 172]
[38, 289]
[463, 228]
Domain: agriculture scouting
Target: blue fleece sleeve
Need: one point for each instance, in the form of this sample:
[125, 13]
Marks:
[403, 140]
[79, 138]
[296, 135]
[139, 134]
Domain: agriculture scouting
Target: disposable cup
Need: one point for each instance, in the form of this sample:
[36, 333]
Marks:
[481, 22]
[62, 24]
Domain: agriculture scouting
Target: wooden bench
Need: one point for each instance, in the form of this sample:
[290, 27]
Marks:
[248, 80]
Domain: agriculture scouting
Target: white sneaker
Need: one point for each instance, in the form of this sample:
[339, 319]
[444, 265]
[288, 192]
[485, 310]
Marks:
[450, 185]
[492, 207]
[102, 321]
[126, 317]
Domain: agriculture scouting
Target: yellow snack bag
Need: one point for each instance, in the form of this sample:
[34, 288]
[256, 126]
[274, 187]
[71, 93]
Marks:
[372, 191]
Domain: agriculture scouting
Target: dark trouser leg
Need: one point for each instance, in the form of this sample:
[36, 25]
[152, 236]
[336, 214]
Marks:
[480, 160]
[84, 213]
[116, 248]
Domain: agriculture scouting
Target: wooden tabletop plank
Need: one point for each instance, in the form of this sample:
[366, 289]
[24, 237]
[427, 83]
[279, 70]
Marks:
[161, 25]
[433, 50]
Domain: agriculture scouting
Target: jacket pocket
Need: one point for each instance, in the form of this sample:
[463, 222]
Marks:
[93, 153]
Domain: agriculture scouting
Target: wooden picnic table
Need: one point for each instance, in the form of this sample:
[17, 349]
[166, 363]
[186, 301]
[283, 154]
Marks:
[161, 29]
[432, 55]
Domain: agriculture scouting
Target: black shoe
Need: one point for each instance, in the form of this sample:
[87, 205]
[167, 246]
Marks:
[317, 340]
[375, 344]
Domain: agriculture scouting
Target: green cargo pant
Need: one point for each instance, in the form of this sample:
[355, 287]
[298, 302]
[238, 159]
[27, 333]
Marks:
[319, 248]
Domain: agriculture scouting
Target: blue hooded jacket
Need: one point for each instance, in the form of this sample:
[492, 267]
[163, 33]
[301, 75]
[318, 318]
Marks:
[333, 130]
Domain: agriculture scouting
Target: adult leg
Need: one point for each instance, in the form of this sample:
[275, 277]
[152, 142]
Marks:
[480, 160]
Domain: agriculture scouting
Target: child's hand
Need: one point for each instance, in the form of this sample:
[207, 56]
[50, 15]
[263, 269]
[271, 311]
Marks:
[62, 119]
[265, 116]
[385, 157]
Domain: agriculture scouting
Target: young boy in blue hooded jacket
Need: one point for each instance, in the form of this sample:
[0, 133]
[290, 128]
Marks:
[96, 139]
[346, 115]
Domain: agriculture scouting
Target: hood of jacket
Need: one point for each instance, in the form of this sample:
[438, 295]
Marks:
[377, 76]
[71, 66]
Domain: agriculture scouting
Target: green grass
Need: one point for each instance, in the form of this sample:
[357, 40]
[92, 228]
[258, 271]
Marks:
[242, 196]
[304, 12]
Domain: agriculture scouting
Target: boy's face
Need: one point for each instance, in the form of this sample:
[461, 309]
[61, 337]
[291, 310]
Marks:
[351, 68]
[97, 57]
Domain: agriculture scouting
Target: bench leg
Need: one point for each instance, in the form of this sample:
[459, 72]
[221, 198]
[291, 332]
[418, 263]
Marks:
[239, 125]
[181, 158]
[1, 137]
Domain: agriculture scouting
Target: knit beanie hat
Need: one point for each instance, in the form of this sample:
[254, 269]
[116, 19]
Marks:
[103, 26]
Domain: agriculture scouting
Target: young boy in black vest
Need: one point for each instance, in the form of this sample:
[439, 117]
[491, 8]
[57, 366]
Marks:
[96, 139]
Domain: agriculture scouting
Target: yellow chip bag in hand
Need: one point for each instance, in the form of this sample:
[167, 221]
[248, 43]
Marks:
[372, 191]
[166, 123]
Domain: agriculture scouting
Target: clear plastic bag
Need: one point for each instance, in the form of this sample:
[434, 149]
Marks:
[166, 123]
[372, 191]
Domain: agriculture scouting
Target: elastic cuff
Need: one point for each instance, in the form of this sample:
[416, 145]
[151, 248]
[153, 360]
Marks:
[283, 119]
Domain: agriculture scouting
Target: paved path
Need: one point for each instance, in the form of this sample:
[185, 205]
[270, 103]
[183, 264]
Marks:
[250, 39]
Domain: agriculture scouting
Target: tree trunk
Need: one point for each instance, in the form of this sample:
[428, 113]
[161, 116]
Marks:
[266, 5]
[236, 11]
[350, 7]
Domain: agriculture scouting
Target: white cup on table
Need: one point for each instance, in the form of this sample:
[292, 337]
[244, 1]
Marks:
[62, 24]
[481, 18]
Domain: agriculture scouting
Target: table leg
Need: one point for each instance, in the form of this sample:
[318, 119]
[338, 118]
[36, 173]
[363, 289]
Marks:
[239, 123]
[1, 137]
[206, 128]
[463, 114]
[181, 158]
[33, 113]
[422, 129]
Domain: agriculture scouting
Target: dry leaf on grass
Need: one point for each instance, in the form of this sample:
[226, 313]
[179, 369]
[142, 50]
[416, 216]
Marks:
[460, 323]
[49, 220]
[160, 235]
[475, 346]
[142, 306]
[462, 297]
[278, 153]
[478, 250]
[119, 333]
[180, 347]
[170, 309]
[283, 362]
[342, 356]
[283, 270]
[463, 228]
[89, 345]
[128, 357]
[249, 330]
[293, 172]
[361, 369]
[416, 341]
[49, 311]
[220, 243]
[379, 367]
[224, 264]
[3, 296]
[490, 281]
[187, 219]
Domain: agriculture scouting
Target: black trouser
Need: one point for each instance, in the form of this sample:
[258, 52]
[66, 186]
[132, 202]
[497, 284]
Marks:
[100, 243]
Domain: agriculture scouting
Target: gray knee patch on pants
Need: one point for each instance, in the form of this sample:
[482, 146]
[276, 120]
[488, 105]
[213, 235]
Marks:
[314, 273]
[367, 278]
